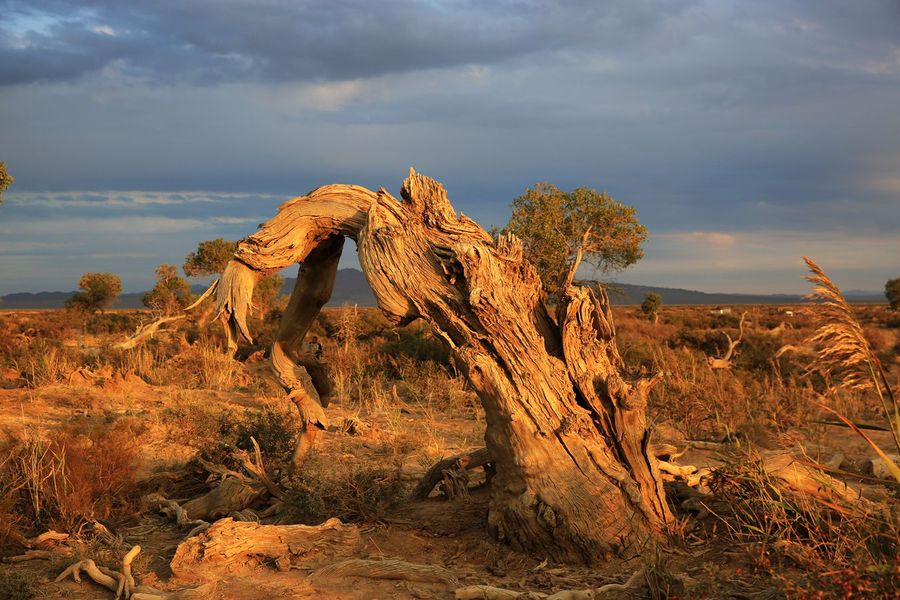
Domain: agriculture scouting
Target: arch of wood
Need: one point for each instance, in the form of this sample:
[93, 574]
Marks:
[566, 429]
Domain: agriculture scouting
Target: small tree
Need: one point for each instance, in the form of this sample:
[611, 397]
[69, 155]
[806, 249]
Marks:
[210, 258]
[651, 305]
[171, 292]
[98, 291]
[554, 224]
[5, 180]
[892, 293]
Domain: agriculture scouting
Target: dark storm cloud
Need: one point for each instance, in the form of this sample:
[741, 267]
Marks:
[212, 41]
[208, 41]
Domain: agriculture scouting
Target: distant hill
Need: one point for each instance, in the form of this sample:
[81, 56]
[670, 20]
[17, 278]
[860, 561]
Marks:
[624, 293]
[351, 287]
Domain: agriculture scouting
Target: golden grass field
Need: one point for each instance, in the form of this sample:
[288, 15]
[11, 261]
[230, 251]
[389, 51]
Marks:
[89, 433]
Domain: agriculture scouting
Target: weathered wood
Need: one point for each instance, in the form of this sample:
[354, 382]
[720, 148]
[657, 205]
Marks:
[387, 569]
[301, 226]
[628, 589]
[123, 585]
[229, 544]
[567, 433]
[466, 460]
[148, 330]
[230, 495]
[724, 361]
[566, 429]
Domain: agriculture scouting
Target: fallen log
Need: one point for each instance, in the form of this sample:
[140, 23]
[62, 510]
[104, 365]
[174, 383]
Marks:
[228, 545]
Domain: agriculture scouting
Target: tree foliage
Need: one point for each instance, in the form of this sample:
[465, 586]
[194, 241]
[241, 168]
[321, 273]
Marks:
[892, 293]
[210, 258]
[5, 179]
[651, 305]
[98, 291]
[553, 224]
[171, 292]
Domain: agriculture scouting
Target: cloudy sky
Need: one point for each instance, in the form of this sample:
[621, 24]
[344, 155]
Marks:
[746, 133]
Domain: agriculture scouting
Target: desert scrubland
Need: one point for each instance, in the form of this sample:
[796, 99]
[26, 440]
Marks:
[102, 447]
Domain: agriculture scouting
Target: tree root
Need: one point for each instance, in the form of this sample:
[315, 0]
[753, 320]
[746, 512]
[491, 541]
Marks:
[610, 590]
[123, 585]
[387, 569]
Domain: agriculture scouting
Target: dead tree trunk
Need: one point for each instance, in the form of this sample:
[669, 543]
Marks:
[566, 430]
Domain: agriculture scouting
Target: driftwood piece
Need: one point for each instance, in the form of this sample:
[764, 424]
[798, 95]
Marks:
[173, 510]
[229, 544]
[724, 361]
[256, 468]
[89, 568]
[387, 569]
[799, 477]
[467, 460]
[29, 555]
[566, 428]
[677, 470]
[230, 495]
[148, 330]
[47, 539]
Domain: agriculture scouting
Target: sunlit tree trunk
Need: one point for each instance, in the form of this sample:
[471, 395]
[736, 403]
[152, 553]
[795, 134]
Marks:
[566, 430]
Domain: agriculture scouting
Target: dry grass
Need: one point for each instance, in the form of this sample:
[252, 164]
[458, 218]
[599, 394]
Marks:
[410, 407]
[845, 354]
[64, 478]
[782, 530]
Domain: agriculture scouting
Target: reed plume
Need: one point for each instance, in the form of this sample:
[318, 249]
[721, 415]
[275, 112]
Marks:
[844, 353]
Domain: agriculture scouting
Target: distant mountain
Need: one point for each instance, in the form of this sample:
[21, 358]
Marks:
[351, 287]
[624, 293]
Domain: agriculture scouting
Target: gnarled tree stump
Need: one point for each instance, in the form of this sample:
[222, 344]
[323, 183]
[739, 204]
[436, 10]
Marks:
[566, 429]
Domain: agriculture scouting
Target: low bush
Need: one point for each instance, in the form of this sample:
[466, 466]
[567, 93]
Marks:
[69, 477]
[351, 493]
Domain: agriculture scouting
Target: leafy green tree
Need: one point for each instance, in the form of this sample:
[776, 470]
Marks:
[98, 291]
[210, 258]
[5, 180]
[554, 224]
[651, 305]
[892, 292]
[171, 292]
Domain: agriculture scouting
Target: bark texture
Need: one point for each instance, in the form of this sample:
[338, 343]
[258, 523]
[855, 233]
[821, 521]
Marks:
[229, 545]
[565, 428]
